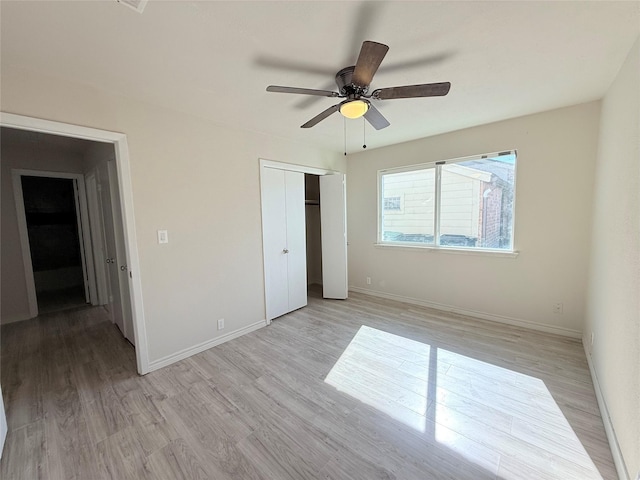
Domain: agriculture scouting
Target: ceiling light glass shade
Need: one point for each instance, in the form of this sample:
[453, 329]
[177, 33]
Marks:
[354, 109]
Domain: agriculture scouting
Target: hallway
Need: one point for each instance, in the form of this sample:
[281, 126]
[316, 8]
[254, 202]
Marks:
[54, 368]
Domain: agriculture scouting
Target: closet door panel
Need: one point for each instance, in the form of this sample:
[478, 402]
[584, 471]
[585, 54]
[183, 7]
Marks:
[296, 240]
[334, 236]
[274, 231]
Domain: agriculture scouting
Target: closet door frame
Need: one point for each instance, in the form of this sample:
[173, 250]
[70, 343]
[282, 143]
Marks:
[264, 163]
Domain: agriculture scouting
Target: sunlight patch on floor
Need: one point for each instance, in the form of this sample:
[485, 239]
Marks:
[470, 406]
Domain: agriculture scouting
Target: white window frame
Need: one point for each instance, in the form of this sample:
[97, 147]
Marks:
[380, 242]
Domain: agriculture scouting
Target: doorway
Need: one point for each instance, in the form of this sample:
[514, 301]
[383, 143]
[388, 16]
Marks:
[59, 232]
[54, 231]
[303, 235]
[51, 214]
[121, 185]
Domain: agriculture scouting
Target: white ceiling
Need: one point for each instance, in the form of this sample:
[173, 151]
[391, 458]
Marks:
[215, 59]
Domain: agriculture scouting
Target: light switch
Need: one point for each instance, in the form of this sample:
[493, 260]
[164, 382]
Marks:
[163, 236]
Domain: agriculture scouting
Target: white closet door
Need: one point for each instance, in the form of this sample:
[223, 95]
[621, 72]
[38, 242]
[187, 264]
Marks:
[333, 224]
[274, 242]
[296, 240]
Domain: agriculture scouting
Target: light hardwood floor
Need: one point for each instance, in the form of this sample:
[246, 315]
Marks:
[357, 389]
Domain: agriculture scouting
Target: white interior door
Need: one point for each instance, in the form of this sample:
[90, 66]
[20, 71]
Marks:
[274, 241]
[81, 243]
[284, 241]
[97, 238]
[333, 224]
[296, 240]
[114, 306]
[122, 268]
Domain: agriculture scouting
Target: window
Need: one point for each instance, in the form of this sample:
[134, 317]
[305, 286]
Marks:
[465, 203]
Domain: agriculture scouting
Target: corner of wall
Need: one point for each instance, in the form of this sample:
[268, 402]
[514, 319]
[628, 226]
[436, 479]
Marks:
[611, 305]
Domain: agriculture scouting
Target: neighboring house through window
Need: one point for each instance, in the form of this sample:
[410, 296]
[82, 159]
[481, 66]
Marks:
[463, 203]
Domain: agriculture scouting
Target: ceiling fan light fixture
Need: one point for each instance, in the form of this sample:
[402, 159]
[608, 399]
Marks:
[354, 108]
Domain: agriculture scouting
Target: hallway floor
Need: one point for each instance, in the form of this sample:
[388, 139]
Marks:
[58, 300]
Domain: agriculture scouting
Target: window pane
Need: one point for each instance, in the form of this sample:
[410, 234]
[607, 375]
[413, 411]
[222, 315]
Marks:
[408, 206]
[476, 207]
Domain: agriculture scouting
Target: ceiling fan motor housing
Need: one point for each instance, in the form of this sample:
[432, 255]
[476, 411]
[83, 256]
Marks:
[346, 86]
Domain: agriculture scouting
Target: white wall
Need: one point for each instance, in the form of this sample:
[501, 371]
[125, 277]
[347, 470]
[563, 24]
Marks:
[199, 181]
[14, 302]
[556, 157]
[613, 306]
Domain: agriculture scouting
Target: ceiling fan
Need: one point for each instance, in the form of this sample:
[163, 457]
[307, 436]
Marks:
[353, 85]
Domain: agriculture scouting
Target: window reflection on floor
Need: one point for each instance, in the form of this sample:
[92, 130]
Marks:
[478, 409]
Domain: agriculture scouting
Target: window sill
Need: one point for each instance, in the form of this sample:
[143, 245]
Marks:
[449, 250]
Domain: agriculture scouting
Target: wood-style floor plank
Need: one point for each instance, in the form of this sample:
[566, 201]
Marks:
[359, 389]
[25, 454]
[175, 461]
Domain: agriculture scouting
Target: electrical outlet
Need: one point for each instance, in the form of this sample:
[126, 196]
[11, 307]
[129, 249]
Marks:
[221, 324]
[368, 280]
[557, 307]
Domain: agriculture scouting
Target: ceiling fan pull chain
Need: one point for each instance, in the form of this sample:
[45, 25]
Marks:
[364, 133]
[344, 119]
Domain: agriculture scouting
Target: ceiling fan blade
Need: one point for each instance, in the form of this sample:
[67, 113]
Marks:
[375, 118]
[370, 58]
[318, 118]
[413, 91]
[302, 91]
[307, 101]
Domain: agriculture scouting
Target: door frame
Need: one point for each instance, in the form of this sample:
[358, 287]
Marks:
[84, 233]
[125, 191]
[264, 163]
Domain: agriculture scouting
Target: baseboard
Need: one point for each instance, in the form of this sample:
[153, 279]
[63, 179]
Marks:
[201, 347]
[565, 332]
[618, 459]
[16, 318]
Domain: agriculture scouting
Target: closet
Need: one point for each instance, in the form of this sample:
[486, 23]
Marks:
[291, 245]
